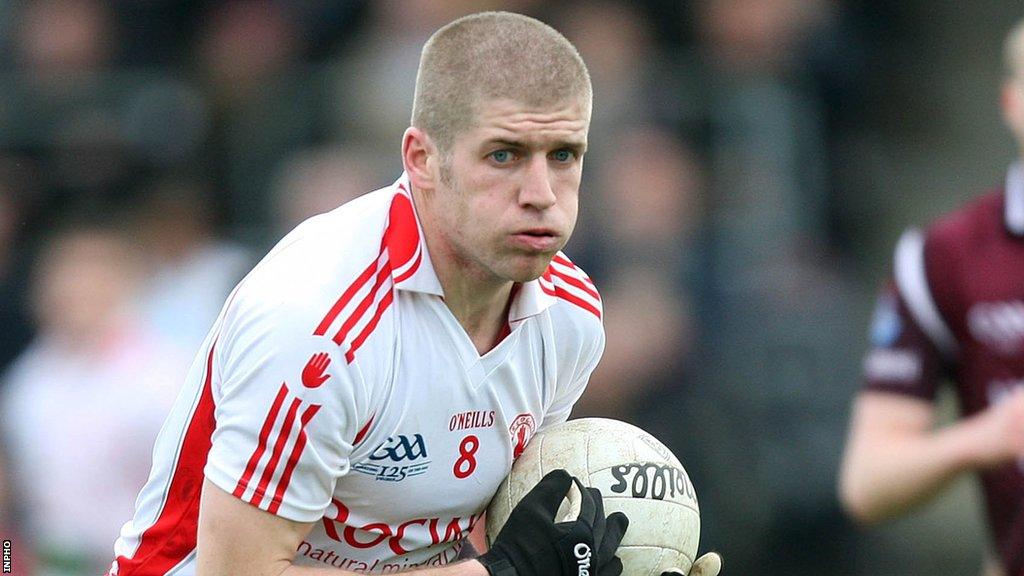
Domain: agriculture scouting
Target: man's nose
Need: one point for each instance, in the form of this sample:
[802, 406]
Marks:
[536, 190]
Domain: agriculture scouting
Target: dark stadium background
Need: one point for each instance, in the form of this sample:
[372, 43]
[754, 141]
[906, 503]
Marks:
[752, 163]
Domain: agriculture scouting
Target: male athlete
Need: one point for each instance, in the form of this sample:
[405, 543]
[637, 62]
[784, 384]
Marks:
[956, 309]
[368, 385]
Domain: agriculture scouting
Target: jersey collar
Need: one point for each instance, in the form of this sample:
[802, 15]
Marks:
[530, 300]
[413, 270]
[406, 247]
[1014, 210]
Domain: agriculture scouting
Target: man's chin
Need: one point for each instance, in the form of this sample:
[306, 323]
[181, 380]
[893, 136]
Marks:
[531, 268]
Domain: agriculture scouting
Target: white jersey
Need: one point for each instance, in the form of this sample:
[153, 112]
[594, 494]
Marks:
[337, 388]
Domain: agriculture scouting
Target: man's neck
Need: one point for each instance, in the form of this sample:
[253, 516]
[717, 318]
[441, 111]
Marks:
[480, 307]
[479, 301]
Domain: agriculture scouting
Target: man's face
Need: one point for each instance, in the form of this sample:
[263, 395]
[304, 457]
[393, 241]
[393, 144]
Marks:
[508, 193]
[1013, 107]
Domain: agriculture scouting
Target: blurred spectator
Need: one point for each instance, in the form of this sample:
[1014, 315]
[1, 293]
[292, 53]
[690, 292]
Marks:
[649, 333]
[15, 207]
[771, 369]
[760, 36]
[265, 103]
[17, 199]
[639, 234]
[59, 38]
[59, 105]
[191, 270]
[650, 201]
[782, 73]
[243, 45]
[633, 82]
[77, 458]
[319, 180]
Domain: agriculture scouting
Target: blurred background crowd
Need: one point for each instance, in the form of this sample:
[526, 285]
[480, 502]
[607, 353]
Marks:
[751, 163]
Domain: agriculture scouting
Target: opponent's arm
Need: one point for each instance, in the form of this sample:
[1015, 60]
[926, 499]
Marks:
[237, 538]
[894, 459]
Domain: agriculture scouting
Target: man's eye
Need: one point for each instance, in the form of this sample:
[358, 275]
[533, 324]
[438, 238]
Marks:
[501, 156]
[563, 155]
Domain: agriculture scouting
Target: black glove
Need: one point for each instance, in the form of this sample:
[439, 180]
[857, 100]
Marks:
[531, 544]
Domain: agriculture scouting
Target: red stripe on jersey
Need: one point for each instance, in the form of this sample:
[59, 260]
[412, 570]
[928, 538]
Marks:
[402, 235]
[261, 447]
[275, 456]
[577, 282]
[568, 296]
[412, 269]
[381, 307]
[383, 275]
[401, 238]
[173, 536]
[547, 286]
[362, 431]
[344, 299]
[293, 459]
[561, 259]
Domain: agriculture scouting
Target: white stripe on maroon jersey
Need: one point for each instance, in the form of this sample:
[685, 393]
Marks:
[912, 281]
[1015, 200]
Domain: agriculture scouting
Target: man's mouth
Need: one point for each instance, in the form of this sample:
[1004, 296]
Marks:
[537, 239]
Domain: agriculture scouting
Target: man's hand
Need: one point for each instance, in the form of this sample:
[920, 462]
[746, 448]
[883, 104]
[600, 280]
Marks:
[1000, 430]
[709, 564]
[532, 544]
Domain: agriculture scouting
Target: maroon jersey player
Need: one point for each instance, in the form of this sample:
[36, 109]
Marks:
[953, 310]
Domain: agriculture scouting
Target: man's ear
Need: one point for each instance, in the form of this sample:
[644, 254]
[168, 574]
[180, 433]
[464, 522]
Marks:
[420, 158]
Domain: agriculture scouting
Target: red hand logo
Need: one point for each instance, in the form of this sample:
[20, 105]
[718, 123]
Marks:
[313, 374]
[520, 443]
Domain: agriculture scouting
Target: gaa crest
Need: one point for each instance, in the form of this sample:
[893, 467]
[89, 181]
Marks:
[521, 430]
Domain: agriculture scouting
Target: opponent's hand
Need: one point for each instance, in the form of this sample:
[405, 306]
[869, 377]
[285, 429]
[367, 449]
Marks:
[532, 544]
[709, 564]
[999, 430]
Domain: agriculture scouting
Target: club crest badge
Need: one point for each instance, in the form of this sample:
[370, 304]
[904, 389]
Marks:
[521, 430]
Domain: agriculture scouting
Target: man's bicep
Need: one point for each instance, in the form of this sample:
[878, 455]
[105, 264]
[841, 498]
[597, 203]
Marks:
[238, 538]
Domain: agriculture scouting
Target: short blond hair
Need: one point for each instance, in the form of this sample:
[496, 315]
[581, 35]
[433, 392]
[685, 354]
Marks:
[1013, 51]
[493, 55]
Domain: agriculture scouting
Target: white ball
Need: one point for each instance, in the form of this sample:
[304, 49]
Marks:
[637, 475]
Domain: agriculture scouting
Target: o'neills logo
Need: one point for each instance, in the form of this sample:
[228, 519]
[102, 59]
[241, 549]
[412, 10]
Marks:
[582, 553]
[521, 429]
[471, 419]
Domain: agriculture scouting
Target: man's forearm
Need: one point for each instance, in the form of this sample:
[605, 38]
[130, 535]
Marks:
[465, 568]
[883, 479]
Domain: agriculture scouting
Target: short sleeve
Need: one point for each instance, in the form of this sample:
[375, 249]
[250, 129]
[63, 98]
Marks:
[901, 358]
[566, 396]
[287, 403]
